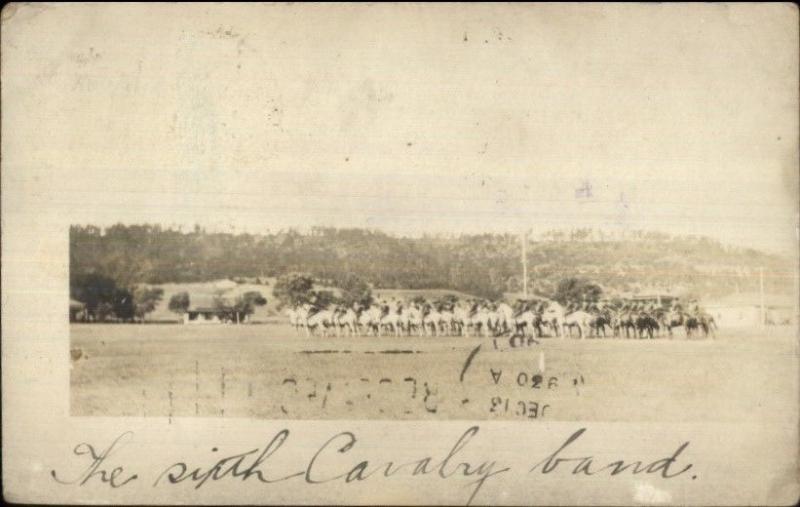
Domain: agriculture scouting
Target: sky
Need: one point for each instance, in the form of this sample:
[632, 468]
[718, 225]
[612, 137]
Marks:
[407, 118]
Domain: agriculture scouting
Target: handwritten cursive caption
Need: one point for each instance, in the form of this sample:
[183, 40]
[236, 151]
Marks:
[332, 462]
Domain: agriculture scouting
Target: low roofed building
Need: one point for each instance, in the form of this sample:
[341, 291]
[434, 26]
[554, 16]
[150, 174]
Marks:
[744, 309]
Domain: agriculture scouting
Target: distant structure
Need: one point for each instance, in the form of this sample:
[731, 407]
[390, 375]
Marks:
[530, 296]
[657, 298]
[744, 310]
[210, 309]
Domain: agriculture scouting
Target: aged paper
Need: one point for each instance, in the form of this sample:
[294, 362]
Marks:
[400, 254]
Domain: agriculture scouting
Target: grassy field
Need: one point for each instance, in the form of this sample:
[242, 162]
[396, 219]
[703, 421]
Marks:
[267, 371]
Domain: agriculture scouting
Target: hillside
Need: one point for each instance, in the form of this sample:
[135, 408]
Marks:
[485, 265]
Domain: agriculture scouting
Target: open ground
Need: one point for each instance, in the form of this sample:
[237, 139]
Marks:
[268, 371]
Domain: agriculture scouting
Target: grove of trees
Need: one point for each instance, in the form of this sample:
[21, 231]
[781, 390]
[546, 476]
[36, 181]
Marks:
[294, 289]
[576, 290]
[179, 303]
[105, 300]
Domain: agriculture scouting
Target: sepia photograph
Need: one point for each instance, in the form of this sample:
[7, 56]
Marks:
[571, 324]
[400, 254]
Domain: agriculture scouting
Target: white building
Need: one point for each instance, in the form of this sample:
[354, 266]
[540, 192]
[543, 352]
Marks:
[211, 309]
[744, 310]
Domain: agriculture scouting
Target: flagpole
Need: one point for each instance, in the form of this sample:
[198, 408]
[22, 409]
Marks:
[525, 264]
[761, 293]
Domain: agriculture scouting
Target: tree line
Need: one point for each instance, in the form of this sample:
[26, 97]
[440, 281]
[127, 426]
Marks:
[294, 289]
[486, 265]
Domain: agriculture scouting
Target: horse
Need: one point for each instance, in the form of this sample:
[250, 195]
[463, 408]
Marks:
[433, 321]
[414, 320]
[691, 324]
[295, 319]
[400, 320]
[430, 320]
[461, 319]
[505, 316]
[646, 323]
[580, 320]
[347, 318]
[708, 325]
[324, 320]
[494, 319]
[387, 323]
[369, 320]
[553, 316]
[616, 322]
[481, 321]
[701, 322]
[599, 323]
[447, 320]
[673, 319]
[627, 321]
[301, 314]
[529, 319]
